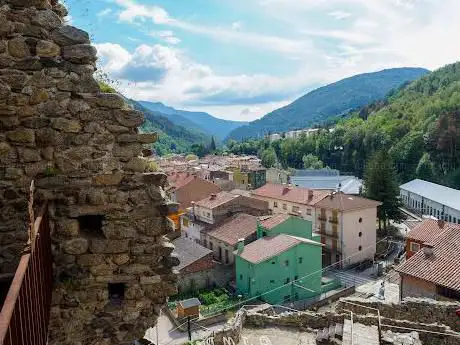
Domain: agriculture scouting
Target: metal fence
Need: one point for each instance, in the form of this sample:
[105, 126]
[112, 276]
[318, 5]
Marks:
[25, 314]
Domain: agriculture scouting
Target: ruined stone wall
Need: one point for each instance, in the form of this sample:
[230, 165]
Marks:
[112, 264]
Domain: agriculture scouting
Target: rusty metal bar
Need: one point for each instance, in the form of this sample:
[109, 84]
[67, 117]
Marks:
[24, 317]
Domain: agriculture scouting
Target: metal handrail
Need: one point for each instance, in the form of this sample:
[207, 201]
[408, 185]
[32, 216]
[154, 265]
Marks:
[25, 314]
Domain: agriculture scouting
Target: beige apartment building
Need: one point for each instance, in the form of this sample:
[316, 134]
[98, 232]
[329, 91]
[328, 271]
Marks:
[346, 223]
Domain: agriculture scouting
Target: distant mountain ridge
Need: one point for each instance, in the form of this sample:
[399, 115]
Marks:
[172, 138]
[330, 101]
[200, 121]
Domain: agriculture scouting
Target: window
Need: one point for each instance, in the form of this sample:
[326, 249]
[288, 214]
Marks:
[209, 215]
[287, 280]
[414, 247]
[360, 234]
[226, 256]
[91, 225]
[360, 248]
[186, 235]
[284, 207]
[287, 298]
[296, 296]
[296, 277]
[273, 262]
[360, 220]
[205, 243]
[275, 204]
[300, 260]
[211, 245]
[295, 209]
[241, 277]
[116, 293]
[272, 281]
[286, 263]
[309, 211]
[450, 218]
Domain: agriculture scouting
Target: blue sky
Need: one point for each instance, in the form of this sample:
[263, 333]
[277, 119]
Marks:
[240, 59]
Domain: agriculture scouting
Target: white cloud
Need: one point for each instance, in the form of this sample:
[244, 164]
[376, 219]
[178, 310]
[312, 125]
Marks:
[104, 12]
[338, 15]
[166, 35]
[132, 11]
[237, 25]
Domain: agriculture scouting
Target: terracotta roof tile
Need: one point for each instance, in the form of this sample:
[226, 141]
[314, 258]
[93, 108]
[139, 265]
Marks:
[215, 200]
[442, 267]
[346, 202]
[294, 194]
[241, 225]
[429, 229]
[179, 179]
[270, 222]
[268, 247]
[194, 189]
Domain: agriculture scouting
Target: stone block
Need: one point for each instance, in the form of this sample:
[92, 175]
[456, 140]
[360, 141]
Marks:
[14, 78]
[5, 91]
[119, 230]
[38, 168]
[18, 48]
[80, 53]
[24, 136]
[68, 228]
[38, 96]
[104, 246]
[75, 246]
[127, 151]
[91, 259]
[110, 100]
[108, 179]
[68, 35]
[47, 19]
[29, 155]
[118, 129]
[47, 49]
[129, 118]
[65, 125]
[120, 259]
[150, 280]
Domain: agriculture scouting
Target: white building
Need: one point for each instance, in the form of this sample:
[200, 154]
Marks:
[431, 199]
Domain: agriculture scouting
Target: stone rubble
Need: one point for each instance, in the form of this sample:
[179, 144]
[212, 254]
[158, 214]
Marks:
[81, 147]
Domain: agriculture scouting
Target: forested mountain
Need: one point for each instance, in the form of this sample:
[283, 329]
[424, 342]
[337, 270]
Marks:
[419, 126]
[329, 102]
[173, 138]
[199, 121]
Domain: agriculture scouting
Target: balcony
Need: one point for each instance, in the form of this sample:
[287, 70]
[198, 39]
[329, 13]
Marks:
[333, 220]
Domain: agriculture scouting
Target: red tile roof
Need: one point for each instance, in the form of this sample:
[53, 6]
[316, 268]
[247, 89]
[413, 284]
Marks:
[346, 202]
[270, 222]
[442, 267]
[215, 200]
[429, 229]
[241, 225]
[293, 194]
[267, 247]
[179, 179]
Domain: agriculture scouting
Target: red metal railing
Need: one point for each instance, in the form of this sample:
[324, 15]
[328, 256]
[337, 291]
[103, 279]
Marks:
[25, 314]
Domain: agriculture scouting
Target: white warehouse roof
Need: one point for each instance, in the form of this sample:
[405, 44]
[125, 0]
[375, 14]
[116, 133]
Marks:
[443, 195]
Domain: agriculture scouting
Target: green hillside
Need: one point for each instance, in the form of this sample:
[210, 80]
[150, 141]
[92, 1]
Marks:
[329, 102]
[172, 138]
[419, 126]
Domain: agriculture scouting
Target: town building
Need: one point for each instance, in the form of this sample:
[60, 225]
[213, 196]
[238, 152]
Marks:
[434, 271]
[188, 308]
[431, 199]
[206, 212]
[196, 268]
[346, 223]
[343, 183]
[284, 224]
[252, 177]
[267, 266]
[347, 226]
[223, 238]
[426, 232]
[275, 175]
[290, 199]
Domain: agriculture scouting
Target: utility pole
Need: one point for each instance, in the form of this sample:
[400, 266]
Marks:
[188, 328]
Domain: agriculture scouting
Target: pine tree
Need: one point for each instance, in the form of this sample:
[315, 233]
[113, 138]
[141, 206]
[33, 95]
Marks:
[380, 183]
[212, 146]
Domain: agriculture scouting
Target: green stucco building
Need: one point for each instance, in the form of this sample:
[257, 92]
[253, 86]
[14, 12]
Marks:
[274, 265]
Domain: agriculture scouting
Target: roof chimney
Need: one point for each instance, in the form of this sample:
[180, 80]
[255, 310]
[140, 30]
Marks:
[213, 196]
[240, 247]
[428, 250]
[441, 223]
[310, 194]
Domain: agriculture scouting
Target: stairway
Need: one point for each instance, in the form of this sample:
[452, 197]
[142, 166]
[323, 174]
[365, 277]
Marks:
[329, 333]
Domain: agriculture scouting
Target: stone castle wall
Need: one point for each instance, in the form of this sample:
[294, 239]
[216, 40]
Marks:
[112, 264]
